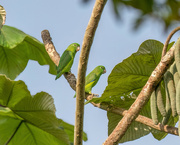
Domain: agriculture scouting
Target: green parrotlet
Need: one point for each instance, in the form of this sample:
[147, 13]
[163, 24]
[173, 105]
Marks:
[93, 77]
[67, 59]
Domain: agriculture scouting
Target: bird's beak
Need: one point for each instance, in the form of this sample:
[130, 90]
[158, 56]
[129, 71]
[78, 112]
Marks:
[78, 48]
[104, 71]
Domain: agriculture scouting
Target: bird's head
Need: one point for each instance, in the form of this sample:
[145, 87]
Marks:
[102, 68]
[74, 47]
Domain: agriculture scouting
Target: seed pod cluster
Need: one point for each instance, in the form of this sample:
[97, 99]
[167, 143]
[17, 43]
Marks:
[170, 103]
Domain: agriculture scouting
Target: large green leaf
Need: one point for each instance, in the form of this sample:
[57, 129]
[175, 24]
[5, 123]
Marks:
[135, 131]
[15, 130]
[125, 83]
[26, 119]
[129, 76]
[17, 48]
[69, 129]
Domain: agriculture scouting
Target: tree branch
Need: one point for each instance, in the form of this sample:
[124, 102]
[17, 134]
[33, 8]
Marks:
[55, 57]
[168, 39]
[142, 119]
[83, 60]
[141, 100]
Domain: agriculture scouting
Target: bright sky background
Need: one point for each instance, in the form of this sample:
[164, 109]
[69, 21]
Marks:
[114, 41]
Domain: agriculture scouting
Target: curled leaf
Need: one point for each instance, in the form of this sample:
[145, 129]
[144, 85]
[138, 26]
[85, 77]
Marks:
[2, 16]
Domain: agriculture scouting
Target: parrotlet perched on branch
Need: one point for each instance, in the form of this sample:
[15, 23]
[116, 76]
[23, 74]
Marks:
[67, 59]
[92, 78]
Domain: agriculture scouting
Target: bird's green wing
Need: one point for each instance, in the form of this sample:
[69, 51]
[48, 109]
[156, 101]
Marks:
[89, 86]
[64, 60]
[90, 78]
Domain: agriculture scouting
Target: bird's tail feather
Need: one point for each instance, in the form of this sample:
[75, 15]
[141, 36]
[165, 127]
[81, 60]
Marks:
[75, 96]
[58, 76]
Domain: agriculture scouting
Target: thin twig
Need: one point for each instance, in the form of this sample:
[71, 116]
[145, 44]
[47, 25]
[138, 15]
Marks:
[142, 119]
[168, 39]
[141, 100]
[83, 60]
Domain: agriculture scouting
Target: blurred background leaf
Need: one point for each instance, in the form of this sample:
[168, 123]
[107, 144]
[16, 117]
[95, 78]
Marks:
[164, 11]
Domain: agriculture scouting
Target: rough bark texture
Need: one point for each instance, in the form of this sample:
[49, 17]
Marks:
[55, 57]
[141, 100]
[83, 60]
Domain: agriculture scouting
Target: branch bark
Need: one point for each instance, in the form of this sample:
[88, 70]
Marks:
[55, 57]
[142, 119]
[141, 100]
[83, 60]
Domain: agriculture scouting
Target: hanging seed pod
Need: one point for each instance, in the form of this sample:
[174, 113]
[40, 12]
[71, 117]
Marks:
[178, 98]
[173, 70]
[177, 55]
[172, 91]
[160, 103]
[154, 111]
[168, 106]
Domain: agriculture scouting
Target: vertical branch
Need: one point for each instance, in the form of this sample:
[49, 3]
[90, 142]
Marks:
[83, 60]
[141, 100]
